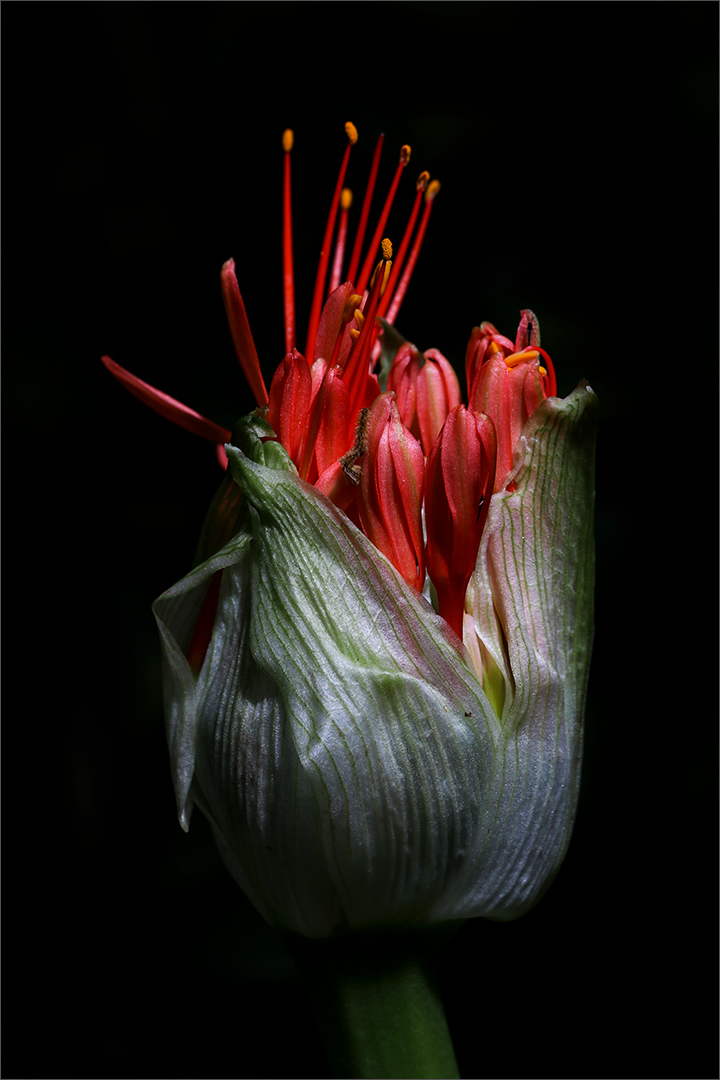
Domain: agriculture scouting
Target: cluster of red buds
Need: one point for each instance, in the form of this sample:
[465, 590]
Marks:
[411, 465]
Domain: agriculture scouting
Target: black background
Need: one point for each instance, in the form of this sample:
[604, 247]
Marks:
[576, 145]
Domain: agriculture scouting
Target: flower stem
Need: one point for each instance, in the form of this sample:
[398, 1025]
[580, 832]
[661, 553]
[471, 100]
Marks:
[377, 1003]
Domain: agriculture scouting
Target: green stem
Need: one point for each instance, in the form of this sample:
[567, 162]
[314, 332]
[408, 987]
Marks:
[377, 1002]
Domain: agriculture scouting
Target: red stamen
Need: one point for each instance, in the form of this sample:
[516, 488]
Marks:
[167, 406]
[432, 190]
[240, 330]
[357, 367]
[365, 212]
[549, 381]
[288, 266]
[345, 204]
[370, 257]
[319, 292]
[422, 182]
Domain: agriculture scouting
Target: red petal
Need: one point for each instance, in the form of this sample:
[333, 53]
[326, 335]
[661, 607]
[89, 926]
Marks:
[331, 322]
[167, 406]
[528, 332]
[240, 330]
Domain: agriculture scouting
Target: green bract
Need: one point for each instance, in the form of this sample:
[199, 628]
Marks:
[337, 737]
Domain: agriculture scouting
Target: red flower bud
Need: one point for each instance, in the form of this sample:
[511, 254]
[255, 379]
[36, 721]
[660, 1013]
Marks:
[391, 490]
[458, 485]
[402, 378]
[438, 391]
[289, 402]
[508, 389]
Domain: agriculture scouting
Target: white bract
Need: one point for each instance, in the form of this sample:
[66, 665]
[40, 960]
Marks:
[337, 735]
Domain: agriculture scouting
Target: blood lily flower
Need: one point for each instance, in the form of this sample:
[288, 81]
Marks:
[367, 757]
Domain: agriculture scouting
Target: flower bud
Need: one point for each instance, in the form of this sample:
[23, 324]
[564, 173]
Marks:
[391, 490]
[458, 485]
[438, 391]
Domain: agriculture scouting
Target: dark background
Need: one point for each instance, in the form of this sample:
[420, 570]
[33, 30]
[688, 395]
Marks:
[577, 149]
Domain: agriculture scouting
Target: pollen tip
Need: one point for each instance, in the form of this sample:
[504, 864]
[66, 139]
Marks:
[351, 132]
[346, 198]
[288, 139]
[405, 152]
[422, 181]
[386, 248]
[432, 190]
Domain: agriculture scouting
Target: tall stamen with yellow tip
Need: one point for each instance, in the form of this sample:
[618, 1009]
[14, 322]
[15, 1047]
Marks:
[288, 265]
[399, 295]
[361, 283]
[346, 199]
[319, 293]
[420, 186]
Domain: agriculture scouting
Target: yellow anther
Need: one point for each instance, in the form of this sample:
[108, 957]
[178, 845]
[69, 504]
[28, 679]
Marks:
[346, 198]
[405, 152]
[288, 139]
[351, 305]
[519, 357]
[542, 371]
[386, 248]
[422, 181]
[351, 132]
[354, 334]
[432, 190]
[359, 320]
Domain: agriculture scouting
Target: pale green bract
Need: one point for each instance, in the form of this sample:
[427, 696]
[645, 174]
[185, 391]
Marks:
[337, 737]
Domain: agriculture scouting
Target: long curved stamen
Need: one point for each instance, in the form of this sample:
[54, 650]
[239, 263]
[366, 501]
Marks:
[422, 182]
[318, 294]
[167, 406]
[345, 204]
[288, 265]
[432, 190]
[365, 212]
[362, 281]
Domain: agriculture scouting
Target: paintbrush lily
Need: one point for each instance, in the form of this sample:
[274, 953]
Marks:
[367, 757]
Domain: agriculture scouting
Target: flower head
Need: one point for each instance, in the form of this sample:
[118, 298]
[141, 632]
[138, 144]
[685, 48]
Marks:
[366, 756]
